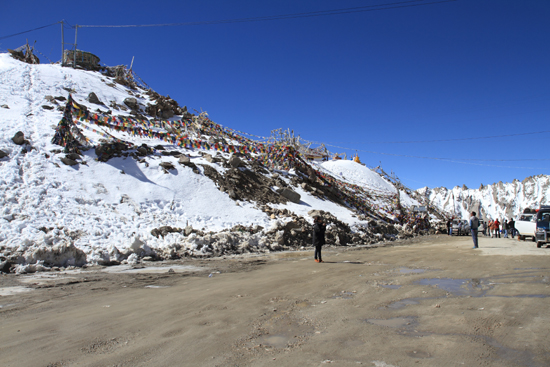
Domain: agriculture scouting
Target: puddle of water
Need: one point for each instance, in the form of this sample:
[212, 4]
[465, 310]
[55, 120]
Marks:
[391, 286]
[418, 354]
[459, 287]
[282, 332]
[276, 341]
[402, 303]
[129, 269]
[44, 278]
[411, 271]
[8, 305]
[344, 295]
[10, 291]
[397, 322]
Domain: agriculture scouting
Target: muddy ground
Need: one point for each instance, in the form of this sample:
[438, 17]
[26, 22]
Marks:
[430, 301]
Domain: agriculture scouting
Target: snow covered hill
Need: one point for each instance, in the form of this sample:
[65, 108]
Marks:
[499, 200]
[155, 188]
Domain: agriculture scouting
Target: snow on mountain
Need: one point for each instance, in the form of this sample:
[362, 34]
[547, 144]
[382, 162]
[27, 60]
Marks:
[499, 200]
[105, 212]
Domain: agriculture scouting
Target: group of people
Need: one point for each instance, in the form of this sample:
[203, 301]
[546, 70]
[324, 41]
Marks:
[494, 226]
[505, 227]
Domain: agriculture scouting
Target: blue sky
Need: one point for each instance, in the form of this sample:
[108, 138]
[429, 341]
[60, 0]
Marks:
[402, 81]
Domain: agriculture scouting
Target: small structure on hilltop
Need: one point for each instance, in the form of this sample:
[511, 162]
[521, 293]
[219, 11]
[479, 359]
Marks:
[85, 60]
[25, 54]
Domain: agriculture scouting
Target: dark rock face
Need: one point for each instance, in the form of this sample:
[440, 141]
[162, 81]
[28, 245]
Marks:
[245, 185]
[3, 154]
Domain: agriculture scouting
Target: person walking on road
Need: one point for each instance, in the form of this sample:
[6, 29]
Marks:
[474, 224]
[449, 227]
[319, 228]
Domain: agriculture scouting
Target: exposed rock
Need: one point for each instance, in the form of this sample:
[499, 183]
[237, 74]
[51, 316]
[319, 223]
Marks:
[184, 160]
[46, 107]
[172, 153]
[19, 138]
[5, 106]
[235, 162]
[132, 103]
[73, 156]
[142, 151]
[245, 185]
[164, 230]
[166, 114]
[69, 162]
[92, 98]
[290, 195]
[3, 154]
[5, 266]
[107, 151]
[188, 230]
[167, 165]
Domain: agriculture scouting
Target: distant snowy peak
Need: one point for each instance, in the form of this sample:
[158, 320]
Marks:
[499, 200]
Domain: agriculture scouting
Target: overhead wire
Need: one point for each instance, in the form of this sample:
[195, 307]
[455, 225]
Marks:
[443, 140]
[30, 30]
[452, 160]
[395, 5]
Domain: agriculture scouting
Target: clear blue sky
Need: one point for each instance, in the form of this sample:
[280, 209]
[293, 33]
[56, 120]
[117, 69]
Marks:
[362, 80]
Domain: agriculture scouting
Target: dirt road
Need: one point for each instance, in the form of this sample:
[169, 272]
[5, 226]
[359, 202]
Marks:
[433, 301]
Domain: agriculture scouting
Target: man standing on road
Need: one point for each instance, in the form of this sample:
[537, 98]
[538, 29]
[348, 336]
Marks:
[474, 224]
[319, 228]
[512, 227]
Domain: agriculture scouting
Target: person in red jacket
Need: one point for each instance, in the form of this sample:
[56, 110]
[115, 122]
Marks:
[496, 224]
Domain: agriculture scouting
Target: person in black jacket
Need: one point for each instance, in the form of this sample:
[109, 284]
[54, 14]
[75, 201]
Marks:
[319, 228]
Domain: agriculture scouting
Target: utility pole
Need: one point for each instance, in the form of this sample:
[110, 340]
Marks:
[74, 52]
[62, 46]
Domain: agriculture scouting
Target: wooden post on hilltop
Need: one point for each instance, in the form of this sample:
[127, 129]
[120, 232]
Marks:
[62, 46]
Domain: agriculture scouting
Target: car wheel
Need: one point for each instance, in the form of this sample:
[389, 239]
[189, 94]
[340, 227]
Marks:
[539, 244]
[519, 237]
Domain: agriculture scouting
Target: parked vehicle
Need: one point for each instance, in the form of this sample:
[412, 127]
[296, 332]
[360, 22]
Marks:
[526, 224]
[464, 228]
[482, 227]
[542, 233]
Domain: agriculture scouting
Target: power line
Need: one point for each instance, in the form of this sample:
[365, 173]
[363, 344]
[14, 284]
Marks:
[443, 140]
[452, 160]
[395, 5]
[31, 30]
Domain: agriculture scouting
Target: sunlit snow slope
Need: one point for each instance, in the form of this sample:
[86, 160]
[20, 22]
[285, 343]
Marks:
[98, 206]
